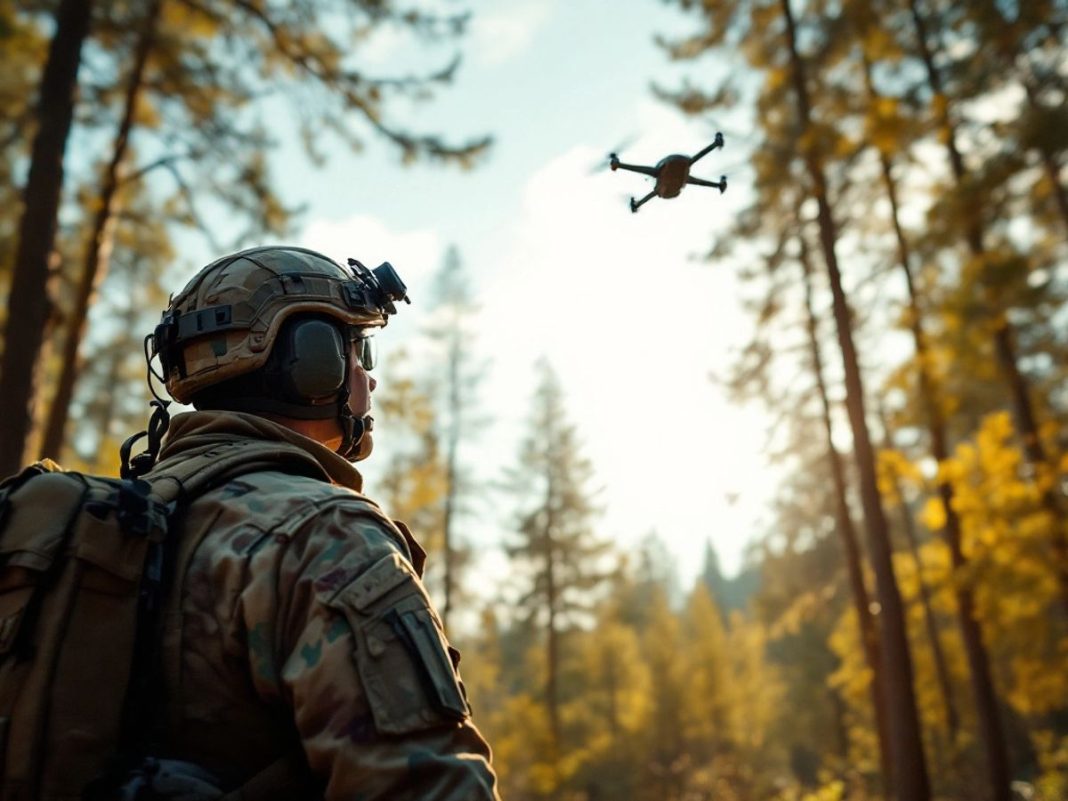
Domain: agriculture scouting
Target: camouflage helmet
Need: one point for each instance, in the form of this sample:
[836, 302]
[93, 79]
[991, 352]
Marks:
[223, 324]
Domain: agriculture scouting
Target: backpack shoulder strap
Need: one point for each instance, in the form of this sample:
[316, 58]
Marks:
[173, 484]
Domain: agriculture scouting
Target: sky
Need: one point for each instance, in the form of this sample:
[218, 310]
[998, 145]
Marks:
[636, 324]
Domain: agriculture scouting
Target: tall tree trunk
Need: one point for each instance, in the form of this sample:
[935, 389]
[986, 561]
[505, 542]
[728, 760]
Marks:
[552, 689]
[448, 514]
[938, 654]
[1004, 341]
[451, 473]
[28, 303]
[552, 698]
[1050, 165]
[611, 664]
[108, 408]
[552, 684]
[909, 780]
[1053, 175]
[841, 730]
[98, 246]
[982, 683]
[106, 412]
[847, 532]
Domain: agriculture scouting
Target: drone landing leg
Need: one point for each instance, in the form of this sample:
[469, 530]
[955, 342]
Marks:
[637, 204]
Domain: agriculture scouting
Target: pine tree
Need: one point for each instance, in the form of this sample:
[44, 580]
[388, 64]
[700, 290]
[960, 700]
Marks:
[869, 635]
[667, 760]
[412, 482]
[555, 551]
[455, 383]
[707, 719]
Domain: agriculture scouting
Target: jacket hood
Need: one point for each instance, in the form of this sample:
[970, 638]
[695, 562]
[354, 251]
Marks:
[196, 430]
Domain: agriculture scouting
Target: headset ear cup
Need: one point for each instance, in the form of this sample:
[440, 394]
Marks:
[311, 361]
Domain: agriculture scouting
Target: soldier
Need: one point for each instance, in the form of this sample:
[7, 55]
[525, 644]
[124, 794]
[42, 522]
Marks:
[301, 632]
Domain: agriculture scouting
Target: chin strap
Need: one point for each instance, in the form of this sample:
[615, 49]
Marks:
[137, 466]
[354, 446]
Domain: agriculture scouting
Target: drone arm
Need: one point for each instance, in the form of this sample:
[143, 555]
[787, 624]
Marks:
[721, 184]
[717, 142]
[619, 165]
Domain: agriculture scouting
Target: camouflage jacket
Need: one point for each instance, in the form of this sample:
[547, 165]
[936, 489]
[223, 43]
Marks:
[302, 623]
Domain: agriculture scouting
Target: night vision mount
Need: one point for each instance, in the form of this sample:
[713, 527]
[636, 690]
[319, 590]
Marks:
[383, 284]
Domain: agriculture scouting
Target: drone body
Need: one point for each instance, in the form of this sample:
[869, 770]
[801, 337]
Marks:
[672, 173]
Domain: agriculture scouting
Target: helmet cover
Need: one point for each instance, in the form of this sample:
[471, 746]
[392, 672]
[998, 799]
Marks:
[225, 321]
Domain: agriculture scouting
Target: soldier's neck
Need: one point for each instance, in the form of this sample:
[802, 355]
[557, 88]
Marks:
[325, 432]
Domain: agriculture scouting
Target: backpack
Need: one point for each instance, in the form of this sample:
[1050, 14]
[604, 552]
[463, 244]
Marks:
[85, 566]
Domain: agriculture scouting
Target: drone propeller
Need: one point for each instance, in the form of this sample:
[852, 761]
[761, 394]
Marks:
[603, 164]
[732, 134]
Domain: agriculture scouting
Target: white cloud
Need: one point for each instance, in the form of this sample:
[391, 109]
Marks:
[633, 325]
[384, 45]
[631, 322]
[503, 31]
[498, 32]
[415, 254]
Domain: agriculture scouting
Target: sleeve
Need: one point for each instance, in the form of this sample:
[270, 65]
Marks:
[364, 664]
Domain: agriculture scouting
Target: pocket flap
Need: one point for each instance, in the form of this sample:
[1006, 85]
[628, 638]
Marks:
[38, 514]
[102, 543]
[383, 576]
[401, 654]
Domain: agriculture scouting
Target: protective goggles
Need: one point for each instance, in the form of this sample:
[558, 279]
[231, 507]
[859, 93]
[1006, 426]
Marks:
[365, 349]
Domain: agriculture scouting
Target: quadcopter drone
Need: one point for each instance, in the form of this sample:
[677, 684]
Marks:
[672, 173]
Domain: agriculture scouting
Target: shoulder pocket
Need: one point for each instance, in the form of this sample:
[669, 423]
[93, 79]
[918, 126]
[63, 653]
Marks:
[401, 652]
